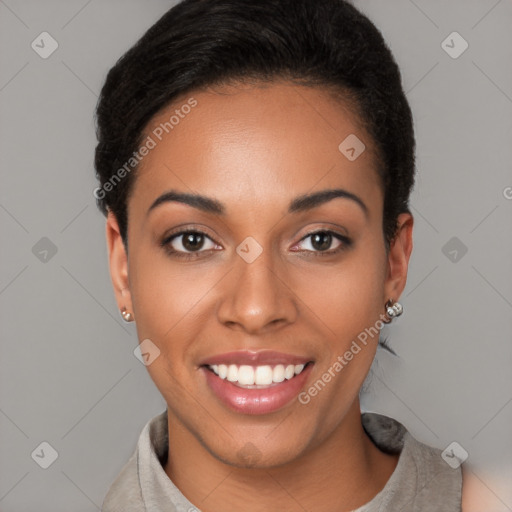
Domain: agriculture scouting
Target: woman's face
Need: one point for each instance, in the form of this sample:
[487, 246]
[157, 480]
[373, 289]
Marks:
[255, 281]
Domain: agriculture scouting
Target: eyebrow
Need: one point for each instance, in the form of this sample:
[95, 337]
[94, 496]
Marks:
[299, 204]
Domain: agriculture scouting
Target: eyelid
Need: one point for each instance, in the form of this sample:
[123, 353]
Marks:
[323, 227]
[183, 230]
[344, 240]
[188, 228]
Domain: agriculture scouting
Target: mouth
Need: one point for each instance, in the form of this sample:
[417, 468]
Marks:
[257, 388]
[257, 377]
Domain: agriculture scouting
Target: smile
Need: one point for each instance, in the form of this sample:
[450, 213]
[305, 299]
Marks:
[256, 377]
[256, 389]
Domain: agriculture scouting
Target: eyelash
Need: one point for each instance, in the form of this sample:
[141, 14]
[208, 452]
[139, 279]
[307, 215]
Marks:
[165, 244]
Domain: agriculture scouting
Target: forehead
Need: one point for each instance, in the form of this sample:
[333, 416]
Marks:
[256, 145]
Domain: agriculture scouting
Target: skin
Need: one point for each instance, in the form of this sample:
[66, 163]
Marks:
[478, 495]
[255, 149]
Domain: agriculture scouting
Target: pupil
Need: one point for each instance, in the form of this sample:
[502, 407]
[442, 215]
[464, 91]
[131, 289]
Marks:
[321, 241]
[193, 241]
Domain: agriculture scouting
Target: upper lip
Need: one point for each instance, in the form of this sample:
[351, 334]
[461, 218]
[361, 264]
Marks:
[251, 358]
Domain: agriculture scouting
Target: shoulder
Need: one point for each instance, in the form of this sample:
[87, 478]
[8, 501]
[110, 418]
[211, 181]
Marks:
[125, 490]
[478, 495]
[440, 483]
[422, 480]
[467, 489]
[472, 499]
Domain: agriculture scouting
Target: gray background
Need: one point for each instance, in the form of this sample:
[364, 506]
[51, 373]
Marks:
[68, 375]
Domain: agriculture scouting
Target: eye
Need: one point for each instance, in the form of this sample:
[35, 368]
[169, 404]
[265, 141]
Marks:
[188, 244]
[191, 244]
[320, 241]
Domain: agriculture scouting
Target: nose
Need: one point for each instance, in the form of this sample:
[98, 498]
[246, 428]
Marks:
[256, 297]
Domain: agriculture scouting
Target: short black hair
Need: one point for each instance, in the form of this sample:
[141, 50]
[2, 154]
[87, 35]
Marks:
[203, 43]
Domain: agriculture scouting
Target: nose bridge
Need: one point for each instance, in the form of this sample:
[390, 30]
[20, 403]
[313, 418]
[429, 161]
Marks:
[256, 295]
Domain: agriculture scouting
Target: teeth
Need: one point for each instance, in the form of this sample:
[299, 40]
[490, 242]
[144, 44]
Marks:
[278, 373]
[222, 371]
[259, 375]
[245, 375]
[232, 373]
[263, 375]
[289, 372]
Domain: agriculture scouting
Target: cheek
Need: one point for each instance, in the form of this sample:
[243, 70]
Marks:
[346, 305]
[172, 302]
[345, 297]
[167, 305]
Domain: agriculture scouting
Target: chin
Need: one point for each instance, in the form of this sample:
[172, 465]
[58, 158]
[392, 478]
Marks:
[261, 454]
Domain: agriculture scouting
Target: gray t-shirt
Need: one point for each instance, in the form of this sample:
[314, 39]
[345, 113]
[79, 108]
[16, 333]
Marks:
[421, 482]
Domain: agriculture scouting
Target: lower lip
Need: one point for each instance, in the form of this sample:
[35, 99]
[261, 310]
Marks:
[256, 401]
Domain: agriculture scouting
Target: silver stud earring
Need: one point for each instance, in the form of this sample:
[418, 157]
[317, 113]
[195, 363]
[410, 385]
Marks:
[127, 316]
[393, 309]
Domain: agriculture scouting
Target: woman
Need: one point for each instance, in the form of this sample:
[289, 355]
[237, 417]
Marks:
[255, 162]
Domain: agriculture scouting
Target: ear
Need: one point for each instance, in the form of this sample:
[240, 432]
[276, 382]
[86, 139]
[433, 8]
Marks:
[118, 263]
[398, 258]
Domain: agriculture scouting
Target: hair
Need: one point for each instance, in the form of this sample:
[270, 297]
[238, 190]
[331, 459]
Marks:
[202, 43]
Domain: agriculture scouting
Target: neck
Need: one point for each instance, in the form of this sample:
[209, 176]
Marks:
[342, 473]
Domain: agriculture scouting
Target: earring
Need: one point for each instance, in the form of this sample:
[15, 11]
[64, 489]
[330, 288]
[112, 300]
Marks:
[127, 316]
[393, 309]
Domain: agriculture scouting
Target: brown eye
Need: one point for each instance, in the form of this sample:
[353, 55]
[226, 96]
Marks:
[187, 243]
[192, 241]
[319, 242]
